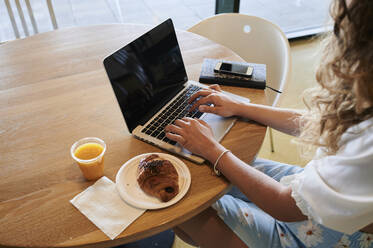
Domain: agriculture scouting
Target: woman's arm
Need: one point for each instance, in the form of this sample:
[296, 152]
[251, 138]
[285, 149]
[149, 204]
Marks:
[268, 194]
[265, 192]
[281, 119]
[284, 120]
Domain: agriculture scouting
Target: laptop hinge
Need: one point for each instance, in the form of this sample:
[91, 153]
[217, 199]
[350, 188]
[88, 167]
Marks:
[161, 102]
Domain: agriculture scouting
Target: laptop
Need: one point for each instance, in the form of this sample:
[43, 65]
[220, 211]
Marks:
[152, 89]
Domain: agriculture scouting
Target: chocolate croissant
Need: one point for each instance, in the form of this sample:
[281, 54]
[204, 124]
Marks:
[158, 177]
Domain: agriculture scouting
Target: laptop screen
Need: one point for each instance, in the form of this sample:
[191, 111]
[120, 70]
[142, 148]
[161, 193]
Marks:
[146, 73]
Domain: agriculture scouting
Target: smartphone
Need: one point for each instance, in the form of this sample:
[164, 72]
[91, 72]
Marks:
[234, 69]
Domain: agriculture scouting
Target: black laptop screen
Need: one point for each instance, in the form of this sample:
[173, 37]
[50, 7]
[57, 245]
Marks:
[146, 73]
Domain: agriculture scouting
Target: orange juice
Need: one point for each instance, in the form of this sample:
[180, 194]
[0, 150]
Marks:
[88, 151]
[90, 159]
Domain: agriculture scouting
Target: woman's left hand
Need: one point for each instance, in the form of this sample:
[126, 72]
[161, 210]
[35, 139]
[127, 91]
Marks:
[196, 136]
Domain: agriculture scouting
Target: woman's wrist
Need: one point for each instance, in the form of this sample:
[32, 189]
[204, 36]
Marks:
[216, 170]
[214, 152]
[239, 109]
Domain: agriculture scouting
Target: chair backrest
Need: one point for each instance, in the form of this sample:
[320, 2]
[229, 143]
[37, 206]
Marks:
[254, 39]
[20, 13]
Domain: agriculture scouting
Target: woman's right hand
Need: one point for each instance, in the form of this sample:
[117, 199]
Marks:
[219, 103]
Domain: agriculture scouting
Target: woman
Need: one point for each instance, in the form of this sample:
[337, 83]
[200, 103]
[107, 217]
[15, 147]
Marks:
[329, 203]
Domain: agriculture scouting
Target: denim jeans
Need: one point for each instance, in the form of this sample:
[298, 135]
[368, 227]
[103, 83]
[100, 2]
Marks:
[258, 229]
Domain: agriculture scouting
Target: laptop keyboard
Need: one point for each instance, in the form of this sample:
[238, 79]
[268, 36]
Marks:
[178, 109]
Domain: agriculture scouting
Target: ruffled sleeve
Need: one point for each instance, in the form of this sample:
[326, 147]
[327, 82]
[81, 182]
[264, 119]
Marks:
[337, 191]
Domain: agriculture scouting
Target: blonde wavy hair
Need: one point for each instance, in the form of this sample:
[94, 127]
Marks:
[344, 96]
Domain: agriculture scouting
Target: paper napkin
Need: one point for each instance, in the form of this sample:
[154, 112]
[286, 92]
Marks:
[102, 205]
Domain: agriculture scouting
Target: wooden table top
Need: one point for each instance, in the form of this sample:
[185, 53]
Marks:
[54, 91]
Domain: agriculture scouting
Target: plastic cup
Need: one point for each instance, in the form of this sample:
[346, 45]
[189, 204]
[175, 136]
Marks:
[91, 166]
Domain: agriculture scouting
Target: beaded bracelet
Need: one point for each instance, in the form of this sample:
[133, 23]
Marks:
[217, 161]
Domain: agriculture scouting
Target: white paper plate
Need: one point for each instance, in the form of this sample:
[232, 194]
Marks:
[130, 191]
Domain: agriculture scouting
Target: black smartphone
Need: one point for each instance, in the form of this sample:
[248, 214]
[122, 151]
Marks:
[234, 69]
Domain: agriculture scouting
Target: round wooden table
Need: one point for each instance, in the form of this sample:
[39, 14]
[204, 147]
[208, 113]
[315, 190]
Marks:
[54, 91]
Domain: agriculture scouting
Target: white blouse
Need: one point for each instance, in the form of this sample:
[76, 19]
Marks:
[337, 191]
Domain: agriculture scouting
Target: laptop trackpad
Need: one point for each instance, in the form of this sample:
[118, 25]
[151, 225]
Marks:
[220, 125]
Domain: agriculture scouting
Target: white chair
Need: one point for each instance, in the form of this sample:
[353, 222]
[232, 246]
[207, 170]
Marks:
[31, 15]
[256, 40]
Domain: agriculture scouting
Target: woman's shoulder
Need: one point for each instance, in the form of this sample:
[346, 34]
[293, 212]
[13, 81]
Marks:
[352, 163]
[362, 131]
[357, 141]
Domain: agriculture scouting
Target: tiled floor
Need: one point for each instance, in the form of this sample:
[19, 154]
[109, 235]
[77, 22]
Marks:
[290, 15]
